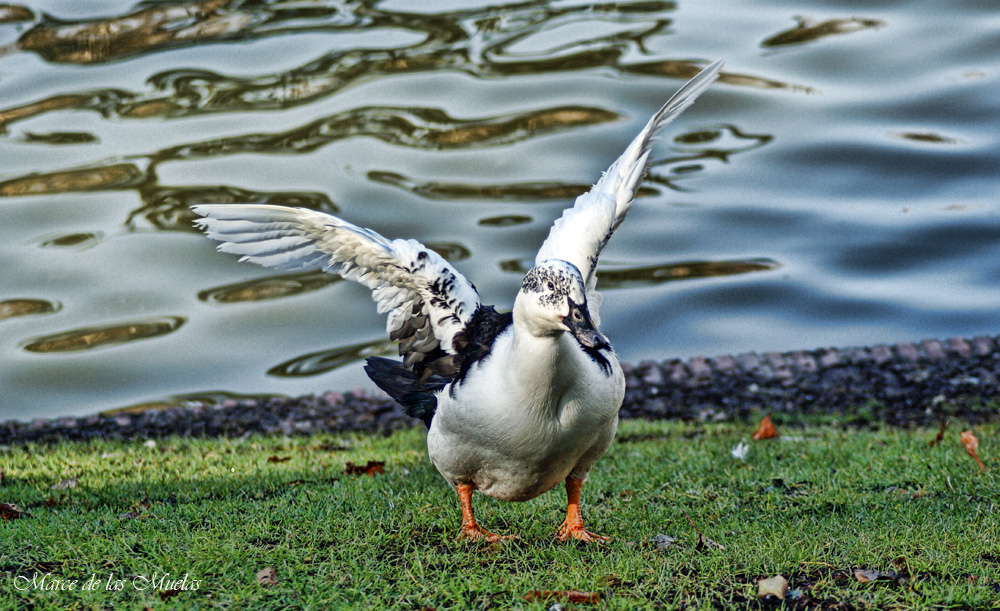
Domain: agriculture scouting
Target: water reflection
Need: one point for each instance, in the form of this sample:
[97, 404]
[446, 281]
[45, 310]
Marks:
[484, 42]
[104, 178]
[652, 275]
[11, 13]
[169, 208]
[106, 335]
[316, 363]
[422, 128]
[26, 307]
[77, 241]
[509, 192]
[632, 277]
[928, 137]
[102, 40]
[269, 287]
[59, 138]
[808, 30]
[505, 220]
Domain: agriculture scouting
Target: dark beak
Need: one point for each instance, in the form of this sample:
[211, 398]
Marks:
[582, 327]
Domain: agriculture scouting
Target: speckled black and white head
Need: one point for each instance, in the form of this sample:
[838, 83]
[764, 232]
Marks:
[553, 300]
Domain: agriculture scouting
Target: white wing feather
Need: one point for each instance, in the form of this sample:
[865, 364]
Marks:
[579, 235]
[410, 282]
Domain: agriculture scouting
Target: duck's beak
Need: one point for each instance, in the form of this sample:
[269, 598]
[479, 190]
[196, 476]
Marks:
[582, 327]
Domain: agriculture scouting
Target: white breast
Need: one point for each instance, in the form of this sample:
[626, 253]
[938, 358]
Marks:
[533, 412]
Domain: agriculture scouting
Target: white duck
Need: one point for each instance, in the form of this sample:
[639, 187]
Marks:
[515, 402]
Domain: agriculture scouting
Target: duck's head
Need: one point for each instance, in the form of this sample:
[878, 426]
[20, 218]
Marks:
[553, 300]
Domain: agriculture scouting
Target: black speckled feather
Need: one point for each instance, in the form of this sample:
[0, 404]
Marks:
[415, 388]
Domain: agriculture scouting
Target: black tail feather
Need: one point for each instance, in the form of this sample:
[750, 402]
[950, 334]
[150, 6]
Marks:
[416, 399]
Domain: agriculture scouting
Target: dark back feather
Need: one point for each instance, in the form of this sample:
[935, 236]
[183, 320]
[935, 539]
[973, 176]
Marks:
[414, 384]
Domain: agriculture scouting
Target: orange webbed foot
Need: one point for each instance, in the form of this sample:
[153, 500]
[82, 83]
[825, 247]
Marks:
[475, 532]
[470, 528]
[572, 526]
[578, 532]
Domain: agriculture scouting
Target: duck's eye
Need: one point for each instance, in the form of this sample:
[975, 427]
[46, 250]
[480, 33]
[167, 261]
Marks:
[551, 286]
[577, 315]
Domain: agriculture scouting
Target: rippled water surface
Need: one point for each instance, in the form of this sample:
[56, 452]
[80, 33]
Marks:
[838, 186]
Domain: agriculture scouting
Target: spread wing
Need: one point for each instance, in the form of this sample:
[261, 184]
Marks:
[579, 235]
[429, 303]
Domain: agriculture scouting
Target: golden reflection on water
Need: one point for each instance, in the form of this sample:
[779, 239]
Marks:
[11, 308]
[117, 176]
[652, 275]
[97, 337]
[169, 208]
[482, 42]
[523, 191]
[58, 138]
[327, 360]
[476, 41]
[808, 30]
[77, 241]
[269, 287]
[658, 274]
[145, 30]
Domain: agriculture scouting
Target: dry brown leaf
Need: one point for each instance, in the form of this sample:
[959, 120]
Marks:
[9, 511]
[267, 577]
[971, 445]
[868, 575]
[279, 458]
[706, 543]
[940, 434]
[772, 587]
[765, 430]
[135, 513]
[52, 501]
[370, 468]
[166, 595]
[570, 596]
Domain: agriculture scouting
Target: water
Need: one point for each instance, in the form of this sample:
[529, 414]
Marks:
[839, 186]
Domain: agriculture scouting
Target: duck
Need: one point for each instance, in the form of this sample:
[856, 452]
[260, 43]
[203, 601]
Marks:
[515, 402]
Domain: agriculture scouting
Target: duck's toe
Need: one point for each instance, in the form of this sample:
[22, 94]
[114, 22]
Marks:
[475, 532]
[578, 532]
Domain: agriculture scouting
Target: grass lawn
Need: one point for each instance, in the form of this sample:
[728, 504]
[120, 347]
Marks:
[814, 506]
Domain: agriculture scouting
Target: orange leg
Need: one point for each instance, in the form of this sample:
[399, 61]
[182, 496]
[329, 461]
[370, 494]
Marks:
[470, 528]
[572, 526]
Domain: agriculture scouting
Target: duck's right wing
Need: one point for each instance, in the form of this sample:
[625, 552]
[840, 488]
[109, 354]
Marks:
[430, 304]
[579, 235]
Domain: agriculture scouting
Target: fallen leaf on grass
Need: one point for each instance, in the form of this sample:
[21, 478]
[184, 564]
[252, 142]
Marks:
[571, 596]
[65, 484]
[166, 595]
[135, 513]
[267, 577]
[370, 468]
[868, 576]
[52, 501]
[279, 458]
[772, 587]
[10, 512]
[971, 445]
[940, 434]
[662, 542]
[706, 543]
[765, 430]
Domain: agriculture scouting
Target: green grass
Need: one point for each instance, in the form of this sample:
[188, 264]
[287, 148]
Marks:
[812, 506]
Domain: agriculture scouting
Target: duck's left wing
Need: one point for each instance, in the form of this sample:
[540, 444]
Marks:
[430, 304]
[579, 235]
